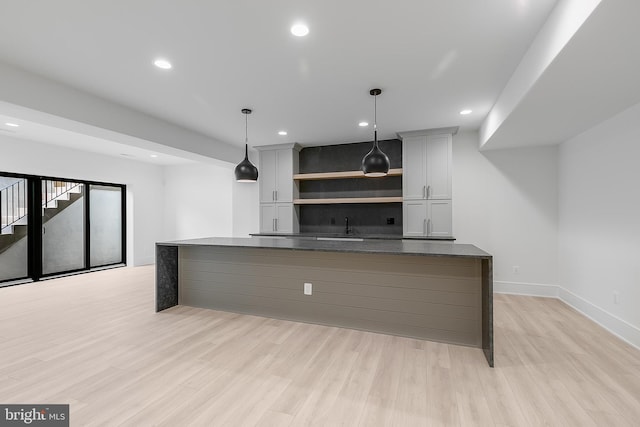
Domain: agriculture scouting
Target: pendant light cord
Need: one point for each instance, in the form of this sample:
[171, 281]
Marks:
[375, 113]
[375, 120]
[246, 129]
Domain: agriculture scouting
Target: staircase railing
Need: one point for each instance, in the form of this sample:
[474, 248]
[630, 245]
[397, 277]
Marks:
[13, 199]
[53, 190]
[13, 203]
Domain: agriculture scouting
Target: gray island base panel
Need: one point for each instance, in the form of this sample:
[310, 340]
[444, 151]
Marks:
[438, 291]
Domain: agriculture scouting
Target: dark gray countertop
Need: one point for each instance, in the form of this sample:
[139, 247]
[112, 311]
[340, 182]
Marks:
[394, 247]
[352, 236]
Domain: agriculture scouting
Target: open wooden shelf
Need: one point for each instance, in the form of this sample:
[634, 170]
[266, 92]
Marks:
[347, 200]
[339, 175]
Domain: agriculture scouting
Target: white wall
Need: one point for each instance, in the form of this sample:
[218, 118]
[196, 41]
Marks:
[231, 209]
[505, 202]
[144, 185]
[246, 208]
[198, 201]
[599, 222]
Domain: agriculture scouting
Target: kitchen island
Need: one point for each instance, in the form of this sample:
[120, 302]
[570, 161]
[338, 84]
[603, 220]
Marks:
[438, 291]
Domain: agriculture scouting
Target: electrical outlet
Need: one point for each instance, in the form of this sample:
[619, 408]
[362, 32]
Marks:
[333, 221]
[391, 221]
[308, 288]
[516, 269]
[616, 297]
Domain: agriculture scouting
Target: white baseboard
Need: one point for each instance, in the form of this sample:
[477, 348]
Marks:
[620, 328]
[529, 289]
[144, 261]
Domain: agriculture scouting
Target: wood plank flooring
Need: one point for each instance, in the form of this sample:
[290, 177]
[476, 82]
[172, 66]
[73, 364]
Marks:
[95, 342]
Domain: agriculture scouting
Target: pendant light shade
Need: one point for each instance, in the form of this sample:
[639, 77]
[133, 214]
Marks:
[246, 171]
[375, 163]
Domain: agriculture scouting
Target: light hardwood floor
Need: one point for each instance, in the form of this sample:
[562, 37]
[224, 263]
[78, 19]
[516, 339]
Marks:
[95, 342]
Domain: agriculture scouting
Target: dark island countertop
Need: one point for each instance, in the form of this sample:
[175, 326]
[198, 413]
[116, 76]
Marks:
[392, 247]
[353, 236]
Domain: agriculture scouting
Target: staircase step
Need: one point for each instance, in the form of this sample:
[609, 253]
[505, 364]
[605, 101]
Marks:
[52, 197]
[8, 240]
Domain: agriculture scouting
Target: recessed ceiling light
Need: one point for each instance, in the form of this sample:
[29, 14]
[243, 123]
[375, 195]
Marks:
[162, 63]
[465, 112]
[363, 124]
[282, 132]
[299, 30]
[153, 155]
[13, 125]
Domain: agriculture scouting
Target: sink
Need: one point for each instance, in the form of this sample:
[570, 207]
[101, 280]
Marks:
[342, 239]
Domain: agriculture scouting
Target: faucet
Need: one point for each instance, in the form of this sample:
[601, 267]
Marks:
[346, 225]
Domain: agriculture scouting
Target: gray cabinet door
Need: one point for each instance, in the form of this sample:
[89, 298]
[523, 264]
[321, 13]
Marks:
[439, 218]
[267, 218]
[284, 218]
[414, 218]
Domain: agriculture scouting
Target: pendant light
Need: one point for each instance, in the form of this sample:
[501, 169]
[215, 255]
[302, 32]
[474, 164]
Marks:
[375, 163]
[246, 171]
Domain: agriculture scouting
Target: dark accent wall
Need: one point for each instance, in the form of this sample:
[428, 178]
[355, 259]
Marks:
[346, 157]
[368, 218]
[372, 218]
[390, 186]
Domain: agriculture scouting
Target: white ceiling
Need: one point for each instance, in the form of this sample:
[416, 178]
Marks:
[593, 77]
[431, 58]
[53, 135]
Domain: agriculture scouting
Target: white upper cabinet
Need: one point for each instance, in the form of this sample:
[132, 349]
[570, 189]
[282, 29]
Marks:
[414, 173]
[284, 175]
[426, 182]
[267, 172]
[439, 152]
[426, 164]
[277, 165]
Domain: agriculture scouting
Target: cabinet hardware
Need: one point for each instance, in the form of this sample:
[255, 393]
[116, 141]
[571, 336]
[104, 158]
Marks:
[276, 219]
[424, 226]
[273, 224]
[428, 190]
[276, 195]
[424, 191]
[273, 195]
